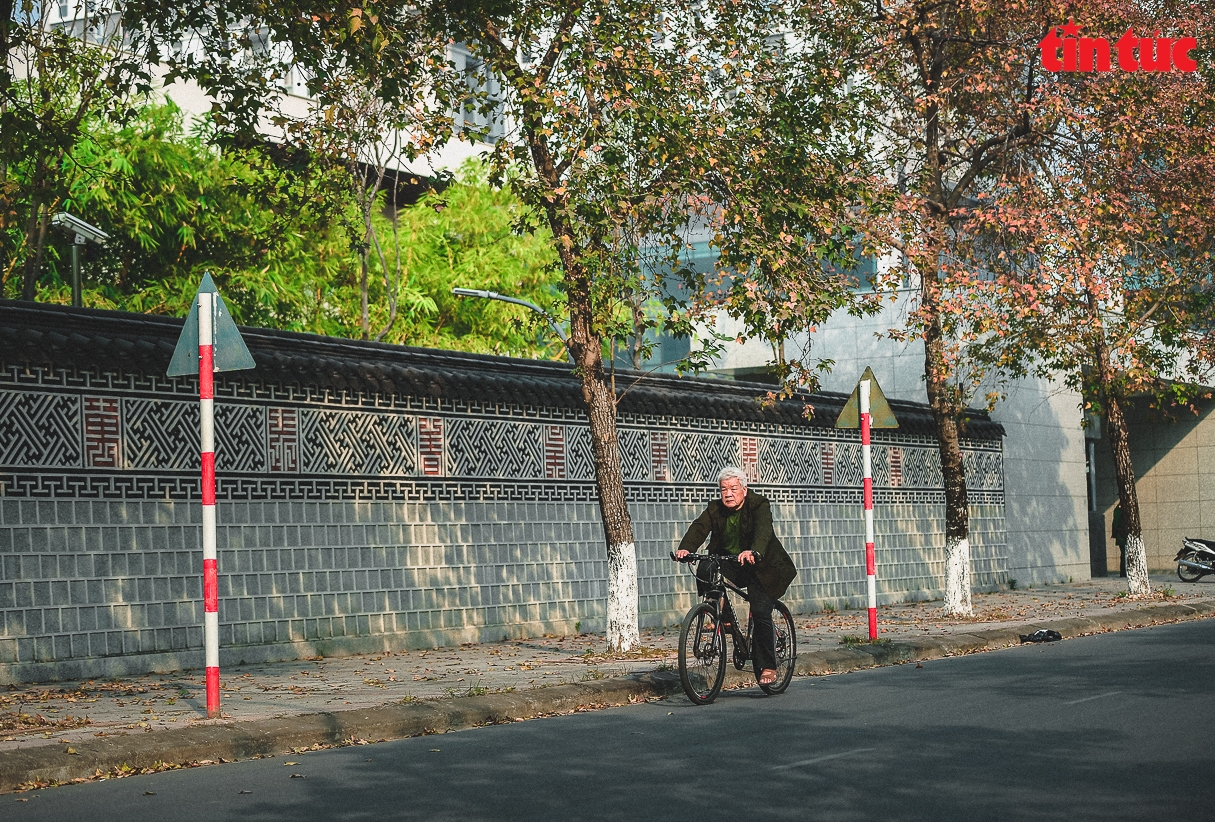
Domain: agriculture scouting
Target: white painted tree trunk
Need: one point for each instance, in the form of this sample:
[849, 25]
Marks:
[622, 634]
[1136, 567]
[957, 578]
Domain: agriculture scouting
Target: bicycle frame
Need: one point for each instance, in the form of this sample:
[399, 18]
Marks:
[718, 586]
[702, 651]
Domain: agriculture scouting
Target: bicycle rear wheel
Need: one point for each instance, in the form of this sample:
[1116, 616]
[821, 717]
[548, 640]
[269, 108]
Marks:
[702, 654]
[786, 649]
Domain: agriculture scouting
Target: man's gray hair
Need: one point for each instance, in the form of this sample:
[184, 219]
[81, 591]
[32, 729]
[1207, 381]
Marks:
[732, 472]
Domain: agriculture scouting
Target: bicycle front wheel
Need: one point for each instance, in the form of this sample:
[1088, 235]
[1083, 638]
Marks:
[786, 649]
[702, 654]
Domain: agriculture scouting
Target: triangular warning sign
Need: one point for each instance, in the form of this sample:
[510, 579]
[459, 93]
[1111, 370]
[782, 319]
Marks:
[231, 353]
[880, 415]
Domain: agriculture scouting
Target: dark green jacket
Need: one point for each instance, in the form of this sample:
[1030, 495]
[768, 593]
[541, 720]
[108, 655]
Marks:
[774, 569]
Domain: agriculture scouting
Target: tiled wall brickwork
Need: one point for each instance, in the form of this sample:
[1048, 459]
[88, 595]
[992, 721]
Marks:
[361, 522]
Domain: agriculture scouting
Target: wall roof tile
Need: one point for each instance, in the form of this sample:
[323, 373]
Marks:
[84, 339]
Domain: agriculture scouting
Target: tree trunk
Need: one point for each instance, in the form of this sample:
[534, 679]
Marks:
[1115, 423]
[622, 634]
[587, 347]
[1137, 581]
[953, 469]
[35, 249]
[942, 398]
[365, 309]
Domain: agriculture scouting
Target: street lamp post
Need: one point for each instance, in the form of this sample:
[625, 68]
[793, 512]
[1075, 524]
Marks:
[494, 295]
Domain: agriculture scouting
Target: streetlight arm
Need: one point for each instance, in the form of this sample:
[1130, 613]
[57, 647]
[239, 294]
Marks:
[494, 295]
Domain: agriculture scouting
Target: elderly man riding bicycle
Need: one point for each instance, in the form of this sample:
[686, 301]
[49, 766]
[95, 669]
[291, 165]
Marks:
[740, 524]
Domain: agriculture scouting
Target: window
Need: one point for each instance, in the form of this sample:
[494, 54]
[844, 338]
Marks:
[482, 113]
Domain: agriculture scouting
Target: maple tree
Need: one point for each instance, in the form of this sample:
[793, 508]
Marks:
[610, 113]
[640, 126]
[1101, 254]
[955, 101]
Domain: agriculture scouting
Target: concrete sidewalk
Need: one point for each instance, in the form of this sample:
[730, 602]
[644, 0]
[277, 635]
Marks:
[72, 731]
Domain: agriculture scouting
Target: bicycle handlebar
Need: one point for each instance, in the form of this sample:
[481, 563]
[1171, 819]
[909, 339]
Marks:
[693, 557]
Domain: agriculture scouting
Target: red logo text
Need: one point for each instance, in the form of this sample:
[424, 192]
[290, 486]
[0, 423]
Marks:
[1133, 53]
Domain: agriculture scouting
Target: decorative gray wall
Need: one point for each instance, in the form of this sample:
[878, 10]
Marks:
[359, 516]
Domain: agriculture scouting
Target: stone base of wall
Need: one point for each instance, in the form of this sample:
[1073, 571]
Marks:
[118, 591]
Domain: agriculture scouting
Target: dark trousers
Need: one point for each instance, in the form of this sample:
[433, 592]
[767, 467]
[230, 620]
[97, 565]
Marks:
[763, 636]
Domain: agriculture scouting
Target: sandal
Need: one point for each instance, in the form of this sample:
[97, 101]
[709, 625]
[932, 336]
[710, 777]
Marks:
[767, 677]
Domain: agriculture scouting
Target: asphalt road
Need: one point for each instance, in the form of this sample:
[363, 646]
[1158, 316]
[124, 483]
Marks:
[1110, 727]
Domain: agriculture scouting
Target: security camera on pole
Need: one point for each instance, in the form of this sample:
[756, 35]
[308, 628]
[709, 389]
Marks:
[82, 233]
[867, 408]
[209, 342]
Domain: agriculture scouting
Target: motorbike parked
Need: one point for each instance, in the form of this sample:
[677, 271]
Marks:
[1196, 559]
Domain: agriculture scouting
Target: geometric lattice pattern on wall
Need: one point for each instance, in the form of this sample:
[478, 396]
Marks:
[749, 452]
[489, 448]
[554, 452]
[430, 446]
[579, 458]
[984, 470]
[849, 465]
[634, 453]
[356, 442]
[283, 439]
[133, 433]
[240, 434]
[160, 434]
[790, 462]
[39, 430]
[102, 433]
[698, 457]
[880, 455]
[660, 455]
[921, 468]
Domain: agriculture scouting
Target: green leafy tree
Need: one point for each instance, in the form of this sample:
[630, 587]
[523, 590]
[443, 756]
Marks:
[791, 175]
[605, 134]
[54, 77]
[468, 236]
[174, 207]
[350, 136]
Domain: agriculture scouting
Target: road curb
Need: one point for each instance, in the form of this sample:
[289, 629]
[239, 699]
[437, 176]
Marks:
[246, 739]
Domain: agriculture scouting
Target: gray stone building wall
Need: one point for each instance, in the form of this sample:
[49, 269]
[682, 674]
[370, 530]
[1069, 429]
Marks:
[1173, 451]
[374, 497]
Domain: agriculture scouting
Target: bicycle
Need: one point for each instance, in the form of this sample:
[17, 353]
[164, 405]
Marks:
[702, 645]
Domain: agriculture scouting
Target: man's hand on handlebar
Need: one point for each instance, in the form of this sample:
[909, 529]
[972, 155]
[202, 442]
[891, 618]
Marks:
[745, 558]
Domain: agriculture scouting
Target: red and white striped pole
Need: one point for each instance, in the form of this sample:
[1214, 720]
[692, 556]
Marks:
[870, 561]
[206, 401]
